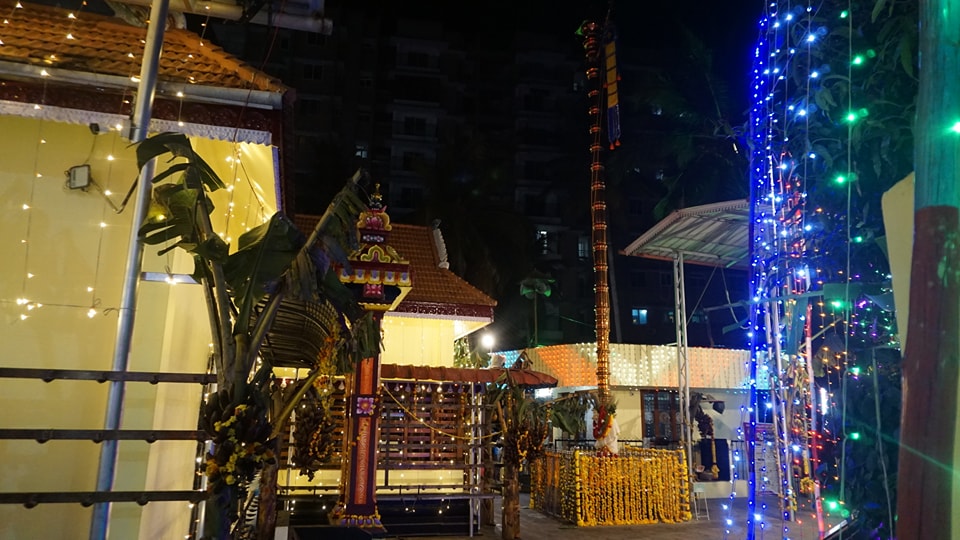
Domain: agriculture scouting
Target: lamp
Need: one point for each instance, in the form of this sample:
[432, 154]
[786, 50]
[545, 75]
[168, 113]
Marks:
[78, 177]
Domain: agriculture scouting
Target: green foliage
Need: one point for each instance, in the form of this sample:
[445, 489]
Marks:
[523, 420]
[465, 356]
[569, 412]
[873, 411]
[263, 254]
[272, 261]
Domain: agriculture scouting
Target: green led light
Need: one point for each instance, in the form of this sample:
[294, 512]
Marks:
[855, 435]
[955, 127]
[831, 504]
[857, 60]
[857, 239]
[836, 303]
[840, 179]
[856, 371]
[844, 14]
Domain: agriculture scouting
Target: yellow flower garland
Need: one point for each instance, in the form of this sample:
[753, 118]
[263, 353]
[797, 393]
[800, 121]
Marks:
[589, 489]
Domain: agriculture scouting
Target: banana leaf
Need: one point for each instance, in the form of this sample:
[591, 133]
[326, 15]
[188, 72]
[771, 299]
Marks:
[263, 255]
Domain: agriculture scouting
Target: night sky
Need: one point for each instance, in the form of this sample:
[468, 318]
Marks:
[728, 28]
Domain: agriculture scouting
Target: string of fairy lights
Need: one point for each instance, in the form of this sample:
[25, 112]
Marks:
[806, 279]
[255, 209]
[248, 205]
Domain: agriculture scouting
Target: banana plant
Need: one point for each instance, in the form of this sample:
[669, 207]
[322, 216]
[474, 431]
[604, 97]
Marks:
[523, 429]
[243, 291]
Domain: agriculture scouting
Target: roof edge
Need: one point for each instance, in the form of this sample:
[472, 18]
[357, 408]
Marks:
[191, 92]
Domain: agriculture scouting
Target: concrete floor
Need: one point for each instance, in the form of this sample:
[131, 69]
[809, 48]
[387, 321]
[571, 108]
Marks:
[537, 526]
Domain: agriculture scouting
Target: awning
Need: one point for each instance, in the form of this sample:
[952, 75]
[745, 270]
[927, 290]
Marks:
[521, 377]
[715, 234]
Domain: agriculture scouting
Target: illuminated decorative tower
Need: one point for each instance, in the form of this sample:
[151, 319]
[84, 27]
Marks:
[380, 279]
[593, 48]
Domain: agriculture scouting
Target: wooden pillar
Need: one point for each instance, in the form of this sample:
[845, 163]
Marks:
[379, 278]
[358, 505]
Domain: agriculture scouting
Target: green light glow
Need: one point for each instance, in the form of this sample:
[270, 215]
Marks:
[831, 504]
[844, 14]
[955, 127]
[857, 239]
[851, 116]
[840, 179]
[855, 370]
[855, 435]
[857, 60]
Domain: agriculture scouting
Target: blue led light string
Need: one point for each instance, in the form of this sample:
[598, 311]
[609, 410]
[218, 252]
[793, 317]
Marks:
[781, 271]
[760, 146]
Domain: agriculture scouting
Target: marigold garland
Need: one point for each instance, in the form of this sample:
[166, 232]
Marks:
[588, 488]
[240, 438]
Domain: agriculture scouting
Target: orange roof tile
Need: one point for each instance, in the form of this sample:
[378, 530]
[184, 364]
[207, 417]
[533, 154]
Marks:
[87, 42]
[435, 290]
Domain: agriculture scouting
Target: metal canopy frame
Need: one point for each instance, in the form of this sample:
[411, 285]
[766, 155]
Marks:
[716, 235]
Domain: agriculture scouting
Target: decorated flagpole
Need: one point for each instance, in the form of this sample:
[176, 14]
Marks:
[599, 40]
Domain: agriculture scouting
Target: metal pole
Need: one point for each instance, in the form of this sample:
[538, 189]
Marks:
[138, 131]
[683, 367]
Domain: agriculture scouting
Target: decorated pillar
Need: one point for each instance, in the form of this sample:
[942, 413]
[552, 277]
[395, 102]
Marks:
[380, 279]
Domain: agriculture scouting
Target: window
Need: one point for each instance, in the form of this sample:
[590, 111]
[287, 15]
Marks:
[584, 249]
[415, 126]
[313, 72]
[316, 38]
[534, 205]
[410, 197]
[543, 241]
[361, 151]
[411, 160]
[661, 412]
[698, 317]
[638, 316]
[535, 100]
[535, 170]
[418, 59]
[310, 107]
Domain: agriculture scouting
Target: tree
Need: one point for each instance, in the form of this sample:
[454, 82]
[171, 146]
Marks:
[925, 507]
[532, 287]
[680, 135]
[523, 428]
[243, 291]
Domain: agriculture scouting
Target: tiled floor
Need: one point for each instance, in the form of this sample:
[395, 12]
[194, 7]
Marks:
[537, 526]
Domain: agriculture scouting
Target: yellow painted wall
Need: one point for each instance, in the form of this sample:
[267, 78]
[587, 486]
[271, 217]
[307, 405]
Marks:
[414, 479]
[417, 340]
[64, 254]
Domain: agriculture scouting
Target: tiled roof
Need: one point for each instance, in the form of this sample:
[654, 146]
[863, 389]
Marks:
[90, 43]
[435, 290]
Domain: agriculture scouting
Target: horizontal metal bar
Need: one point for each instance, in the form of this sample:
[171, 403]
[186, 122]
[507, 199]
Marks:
[151, 377]
[99, 435]
[87, 498]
